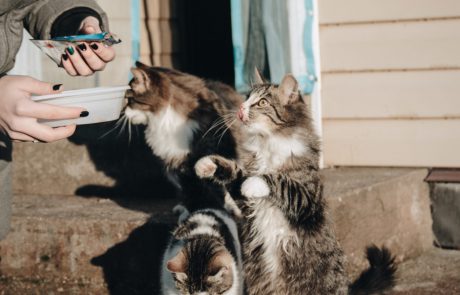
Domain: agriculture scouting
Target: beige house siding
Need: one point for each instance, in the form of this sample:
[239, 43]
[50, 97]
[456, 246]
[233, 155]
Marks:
[390, 82]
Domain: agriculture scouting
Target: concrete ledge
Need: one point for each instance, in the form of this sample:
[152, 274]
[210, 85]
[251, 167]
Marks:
[102, 243]
[382, 206]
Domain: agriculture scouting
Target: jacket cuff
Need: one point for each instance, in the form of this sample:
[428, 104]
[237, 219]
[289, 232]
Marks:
[40, 22]
[69, 22]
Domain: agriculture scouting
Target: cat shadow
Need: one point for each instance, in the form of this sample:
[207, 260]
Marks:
[124, 157]
[133, 265]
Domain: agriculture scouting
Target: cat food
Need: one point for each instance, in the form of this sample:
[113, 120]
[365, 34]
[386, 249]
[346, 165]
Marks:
[102, 103]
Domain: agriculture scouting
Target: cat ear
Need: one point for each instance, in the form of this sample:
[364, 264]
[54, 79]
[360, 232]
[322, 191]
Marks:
[220, 267]
[177, 266]
[140, 81]
[258, 78]
[221, 271]
[178, 263]
[141, 65]
[288, 90]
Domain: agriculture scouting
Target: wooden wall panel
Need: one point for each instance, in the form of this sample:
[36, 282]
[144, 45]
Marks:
[433, 94]
[415, 45]
[336, 11]
[392, 142]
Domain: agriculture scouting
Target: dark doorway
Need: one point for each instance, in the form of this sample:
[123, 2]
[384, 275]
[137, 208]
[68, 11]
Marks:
[206, 39]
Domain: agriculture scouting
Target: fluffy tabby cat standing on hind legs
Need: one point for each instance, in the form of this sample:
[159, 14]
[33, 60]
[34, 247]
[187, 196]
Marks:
[288, 243]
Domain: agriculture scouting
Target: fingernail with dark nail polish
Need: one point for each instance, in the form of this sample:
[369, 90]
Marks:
[70, 50]
[57, 87]
[94, 46]
[84, 114]
[82, 46]
[65, 56]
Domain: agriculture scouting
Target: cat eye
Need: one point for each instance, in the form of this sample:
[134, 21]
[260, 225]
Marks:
[262, 103]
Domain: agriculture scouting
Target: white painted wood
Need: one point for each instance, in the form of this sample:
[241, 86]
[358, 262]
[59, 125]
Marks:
[414, 45]
[116, 72]
[316, 104]
[28, 59]
[116, 9]
[392, 143]
[391, 95]
[122, 28]
[333, 11]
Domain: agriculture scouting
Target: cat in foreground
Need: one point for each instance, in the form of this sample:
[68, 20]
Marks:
[288, 243]
[203, 255]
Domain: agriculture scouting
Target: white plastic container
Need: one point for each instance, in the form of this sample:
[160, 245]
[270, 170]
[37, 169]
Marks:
[102, 103]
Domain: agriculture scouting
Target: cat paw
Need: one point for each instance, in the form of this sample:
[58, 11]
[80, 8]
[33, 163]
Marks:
[255, 187]
[205, 168]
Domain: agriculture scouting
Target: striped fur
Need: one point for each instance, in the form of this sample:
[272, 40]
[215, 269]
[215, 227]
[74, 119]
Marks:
[289, 246]
[184, 121]
[203, 256]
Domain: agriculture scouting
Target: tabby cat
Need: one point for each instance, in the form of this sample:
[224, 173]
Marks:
[203, 256]
[185, 121]
[289, 246]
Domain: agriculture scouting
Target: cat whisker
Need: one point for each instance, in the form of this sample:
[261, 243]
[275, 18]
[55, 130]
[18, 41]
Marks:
[117, 124]
[225, 130]
[125, 119]
[216, 123]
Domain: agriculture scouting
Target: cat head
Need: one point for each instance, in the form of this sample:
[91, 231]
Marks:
[154, 88]
[273, 108]
[203, 266]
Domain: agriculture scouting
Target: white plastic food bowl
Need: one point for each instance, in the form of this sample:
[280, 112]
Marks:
[102, 103]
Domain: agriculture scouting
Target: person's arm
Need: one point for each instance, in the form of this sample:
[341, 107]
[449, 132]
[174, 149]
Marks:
[54, 18]
[19, 114]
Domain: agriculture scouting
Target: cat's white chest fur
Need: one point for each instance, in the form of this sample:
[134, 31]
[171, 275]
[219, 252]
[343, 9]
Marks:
[271, 152]
[273, 232]
[169, 134]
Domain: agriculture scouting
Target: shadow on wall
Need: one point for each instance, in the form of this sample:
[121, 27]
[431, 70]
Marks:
[125, 157]
[133, 266]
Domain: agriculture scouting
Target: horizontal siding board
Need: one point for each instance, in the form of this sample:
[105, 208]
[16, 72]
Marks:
[421, 143]
[428, 94]
[414, 45]
[333, 11]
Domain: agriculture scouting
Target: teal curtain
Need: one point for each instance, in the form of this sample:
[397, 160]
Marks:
[277, 37]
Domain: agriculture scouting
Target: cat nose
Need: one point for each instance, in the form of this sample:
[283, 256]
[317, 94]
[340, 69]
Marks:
[240, 114]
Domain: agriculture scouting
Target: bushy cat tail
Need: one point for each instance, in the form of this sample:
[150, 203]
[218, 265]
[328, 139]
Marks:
[381, 274]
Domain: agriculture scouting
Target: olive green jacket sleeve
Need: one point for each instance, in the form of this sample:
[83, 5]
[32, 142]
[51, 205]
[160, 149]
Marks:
[42, 17]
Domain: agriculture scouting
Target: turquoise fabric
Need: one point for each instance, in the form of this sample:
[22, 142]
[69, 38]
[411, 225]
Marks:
[135, 31]
[277, 21]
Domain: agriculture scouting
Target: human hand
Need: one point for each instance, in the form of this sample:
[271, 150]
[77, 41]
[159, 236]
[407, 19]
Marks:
[19, 114]
[86, 58]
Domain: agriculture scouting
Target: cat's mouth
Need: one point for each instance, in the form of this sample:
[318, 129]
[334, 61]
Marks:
[133, 102]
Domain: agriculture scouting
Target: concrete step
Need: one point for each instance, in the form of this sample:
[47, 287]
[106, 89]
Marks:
[97, 155]
[436, 272]
[89, 243]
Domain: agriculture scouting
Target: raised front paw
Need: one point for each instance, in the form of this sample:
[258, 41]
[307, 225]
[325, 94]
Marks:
[205, 167]
[255, 187]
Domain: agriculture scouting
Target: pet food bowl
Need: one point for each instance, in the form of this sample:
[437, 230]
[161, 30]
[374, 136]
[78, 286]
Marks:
[103, 104]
